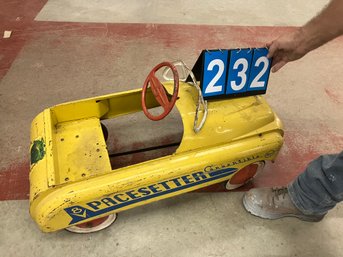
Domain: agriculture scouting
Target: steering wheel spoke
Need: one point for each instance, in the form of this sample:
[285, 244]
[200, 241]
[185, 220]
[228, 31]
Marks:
[159, 91]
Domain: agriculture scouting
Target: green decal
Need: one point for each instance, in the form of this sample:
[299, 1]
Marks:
[37, 151]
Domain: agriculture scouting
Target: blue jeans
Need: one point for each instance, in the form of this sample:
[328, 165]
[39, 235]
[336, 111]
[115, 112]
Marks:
[320, 186]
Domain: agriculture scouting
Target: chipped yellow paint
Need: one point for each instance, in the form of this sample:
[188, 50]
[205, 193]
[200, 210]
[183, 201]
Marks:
[81, 150]
[72, 175]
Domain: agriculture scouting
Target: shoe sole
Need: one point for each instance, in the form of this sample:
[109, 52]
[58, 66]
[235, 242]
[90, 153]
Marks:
[273, 216]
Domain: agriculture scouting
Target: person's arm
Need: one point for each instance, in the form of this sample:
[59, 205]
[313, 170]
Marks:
[324, 27]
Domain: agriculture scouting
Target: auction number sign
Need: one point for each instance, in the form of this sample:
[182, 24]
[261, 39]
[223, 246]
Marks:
[234, 72]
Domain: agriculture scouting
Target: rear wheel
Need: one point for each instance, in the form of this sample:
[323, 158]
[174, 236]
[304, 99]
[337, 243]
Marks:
[93, 225]
[244, 175]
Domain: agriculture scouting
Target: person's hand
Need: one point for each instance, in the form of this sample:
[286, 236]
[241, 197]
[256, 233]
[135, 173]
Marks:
[285, 49]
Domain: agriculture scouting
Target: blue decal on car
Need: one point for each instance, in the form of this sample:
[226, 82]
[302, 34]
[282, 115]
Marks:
[120, 200]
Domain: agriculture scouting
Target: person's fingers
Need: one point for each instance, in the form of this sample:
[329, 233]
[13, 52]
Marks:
[278, 65]
[272, 49]
[276, 58]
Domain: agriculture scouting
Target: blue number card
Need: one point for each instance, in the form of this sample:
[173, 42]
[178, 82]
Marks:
[214, 73]
[259, 71]
[238, 73]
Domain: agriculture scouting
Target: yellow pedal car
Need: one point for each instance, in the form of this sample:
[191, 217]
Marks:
[73, 185]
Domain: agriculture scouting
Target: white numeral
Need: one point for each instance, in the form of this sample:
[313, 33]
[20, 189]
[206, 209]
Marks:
[242, 74]
[256, 83]
[212, 87]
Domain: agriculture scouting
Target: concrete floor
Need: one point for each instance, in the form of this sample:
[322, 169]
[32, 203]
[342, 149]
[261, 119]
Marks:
[195, 224]
[67, 50]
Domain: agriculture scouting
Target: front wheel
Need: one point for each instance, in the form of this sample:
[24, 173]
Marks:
[93, 225]
[244, 175]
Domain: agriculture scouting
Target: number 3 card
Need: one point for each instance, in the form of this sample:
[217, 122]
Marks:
[240, 62]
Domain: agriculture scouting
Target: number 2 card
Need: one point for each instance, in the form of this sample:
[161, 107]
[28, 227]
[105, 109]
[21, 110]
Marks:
[260, 70]
[214, 73]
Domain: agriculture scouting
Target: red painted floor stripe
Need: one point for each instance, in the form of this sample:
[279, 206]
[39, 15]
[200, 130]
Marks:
[14, 182]
[181, 36]
[169, 35]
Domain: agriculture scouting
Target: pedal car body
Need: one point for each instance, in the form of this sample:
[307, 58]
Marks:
[71, 179]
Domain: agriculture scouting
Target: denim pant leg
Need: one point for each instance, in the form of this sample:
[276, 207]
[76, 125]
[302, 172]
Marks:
[320, 186]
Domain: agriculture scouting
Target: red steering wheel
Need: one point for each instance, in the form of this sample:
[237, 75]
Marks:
[159, 92]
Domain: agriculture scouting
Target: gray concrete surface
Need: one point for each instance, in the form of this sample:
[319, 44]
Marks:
[220, 12]
[205, 224]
